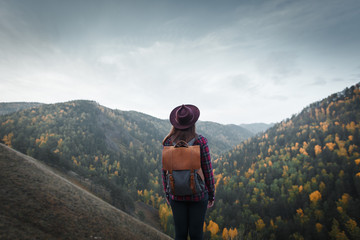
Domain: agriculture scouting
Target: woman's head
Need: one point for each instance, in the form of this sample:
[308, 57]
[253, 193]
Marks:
[183, 119]
[184, 116]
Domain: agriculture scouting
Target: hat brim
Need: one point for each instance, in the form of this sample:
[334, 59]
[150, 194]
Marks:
[177, 125]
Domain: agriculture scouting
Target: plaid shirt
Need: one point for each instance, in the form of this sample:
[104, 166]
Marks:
[207, 170]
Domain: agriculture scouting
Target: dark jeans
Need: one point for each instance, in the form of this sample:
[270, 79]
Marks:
[189, 218]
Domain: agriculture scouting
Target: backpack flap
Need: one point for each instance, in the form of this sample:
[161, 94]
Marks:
[181, 158]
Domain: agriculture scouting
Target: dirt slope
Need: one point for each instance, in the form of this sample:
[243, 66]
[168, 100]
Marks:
[36, 203]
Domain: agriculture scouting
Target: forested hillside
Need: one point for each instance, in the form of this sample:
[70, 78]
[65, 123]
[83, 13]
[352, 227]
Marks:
[298, 180]
[118, 149]
[6, 108]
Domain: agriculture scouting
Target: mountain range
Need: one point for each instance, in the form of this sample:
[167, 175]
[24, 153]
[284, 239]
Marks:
[95, 142]
[298, 179]
[98, 142]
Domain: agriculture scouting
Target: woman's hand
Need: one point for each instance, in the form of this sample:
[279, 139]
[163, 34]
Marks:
[210, 204]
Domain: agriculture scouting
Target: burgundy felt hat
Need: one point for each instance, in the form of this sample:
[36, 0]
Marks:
[184, 116]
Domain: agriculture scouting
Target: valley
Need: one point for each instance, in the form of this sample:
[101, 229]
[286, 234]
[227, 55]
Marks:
[297, 179]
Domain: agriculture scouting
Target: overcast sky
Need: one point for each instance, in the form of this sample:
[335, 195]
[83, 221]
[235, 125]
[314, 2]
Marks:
[238, 61]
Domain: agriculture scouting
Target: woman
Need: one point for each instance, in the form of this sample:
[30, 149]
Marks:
[189, 210]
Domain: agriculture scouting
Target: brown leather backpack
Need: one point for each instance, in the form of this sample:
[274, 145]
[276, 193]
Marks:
[182, 164]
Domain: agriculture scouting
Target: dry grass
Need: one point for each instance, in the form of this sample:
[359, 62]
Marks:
[37, 203]
[150, 215]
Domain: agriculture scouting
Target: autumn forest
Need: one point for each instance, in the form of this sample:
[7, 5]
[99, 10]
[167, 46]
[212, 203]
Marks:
[300, 179]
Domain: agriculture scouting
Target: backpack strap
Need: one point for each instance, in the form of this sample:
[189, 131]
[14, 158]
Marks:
[181, 143]
[194, 171]
[171, 178]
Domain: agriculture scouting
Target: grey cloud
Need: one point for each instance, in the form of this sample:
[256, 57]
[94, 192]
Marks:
[337, 79]
[239, 83]
[133, 54]
[303, 25]
[356, 76]
[319, 81]
[279, 66]
[277, 97]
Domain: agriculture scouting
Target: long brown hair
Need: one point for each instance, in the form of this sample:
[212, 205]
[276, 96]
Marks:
[178, 134]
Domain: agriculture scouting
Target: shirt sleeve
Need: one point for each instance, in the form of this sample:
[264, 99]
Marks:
[163, 175]
[207, 168]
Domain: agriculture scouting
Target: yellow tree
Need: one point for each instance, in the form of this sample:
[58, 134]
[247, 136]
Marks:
[353, 229]
[218, 179]
[303, 151]
[301, 216]
[260, 225]
[357, 161]
[225, 234]
[319, 227]
[146, 195]
[164, 214]
[343, 201]
[233, 233]
[315, 196]
[330, 146]
[317, 149]
[213, 228]
[152, 199]
[300, 212]
[7, 139]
